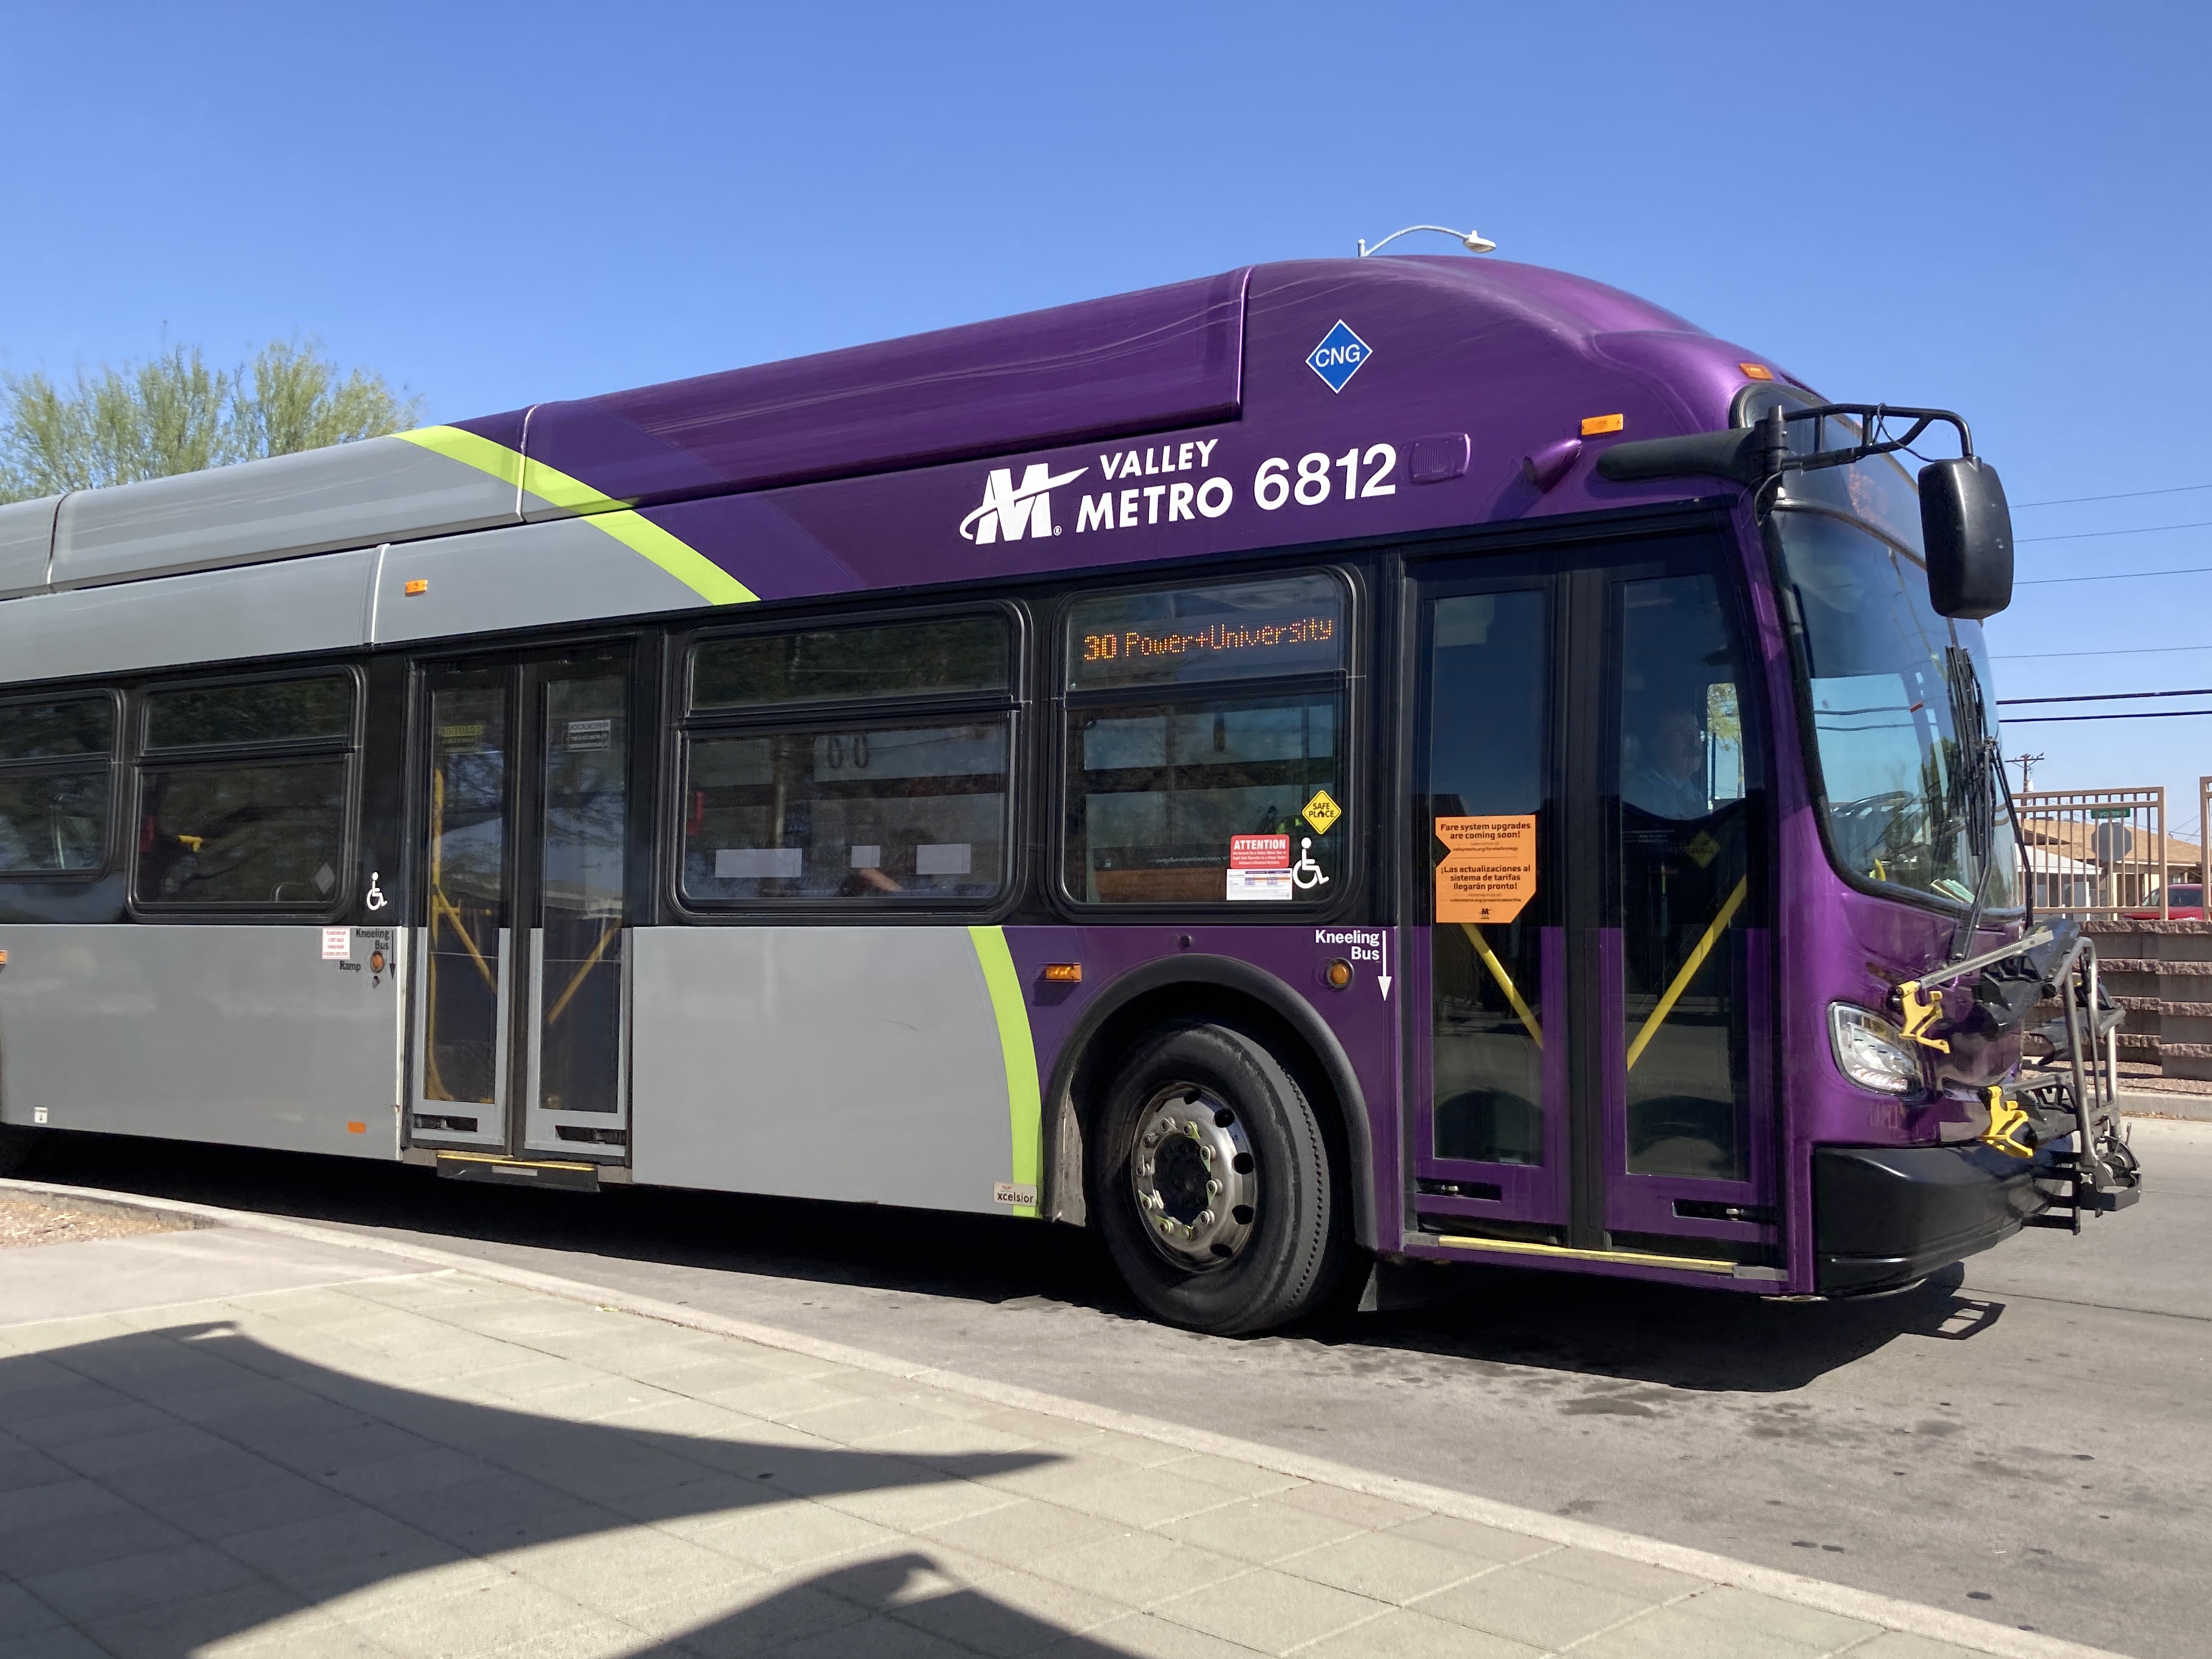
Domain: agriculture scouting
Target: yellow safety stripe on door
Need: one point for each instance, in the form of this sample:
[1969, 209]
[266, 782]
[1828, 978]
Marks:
[1024, 1106]
[616, 518]
[1504, 980]
[1689, 971]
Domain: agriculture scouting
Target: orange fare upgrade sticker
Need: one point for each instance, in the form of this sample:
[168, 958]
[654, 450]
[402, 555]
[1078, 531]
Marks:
[1489, 872]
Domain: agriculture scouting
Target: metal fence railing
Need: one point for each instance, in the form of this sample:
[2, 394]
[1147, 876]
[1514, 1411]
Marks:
[2104, 852]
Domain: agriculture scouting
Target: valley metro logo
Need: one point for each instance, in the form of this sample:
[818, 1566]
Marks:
[1013, 513]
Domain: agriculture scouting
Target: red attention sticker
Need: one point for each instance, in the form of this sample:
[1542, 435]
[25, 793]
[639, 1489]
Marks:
[1259, 852]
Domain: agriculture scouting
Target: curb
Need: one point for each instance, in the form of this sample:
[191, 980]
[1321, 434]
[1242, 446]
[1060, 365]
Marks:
[2148, 1103]
[1911, 1618]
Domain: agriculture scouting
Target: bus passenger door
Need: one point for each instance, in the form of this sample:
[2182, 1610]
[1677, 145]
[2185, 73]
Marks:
[1592, 1074]
[522, 976]
[1490, 1127]
[576, 1044]
[1680, 974]
[464, 947]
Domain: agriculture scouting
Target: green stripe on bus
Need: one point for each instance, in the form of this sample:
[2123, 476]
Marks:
[633, 530]
[481, 454]
[551, 484]
[1023, 1104]
[676, 556]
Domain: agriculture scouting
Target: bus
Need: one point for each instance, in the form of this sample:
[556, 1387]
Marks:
[1333, 766]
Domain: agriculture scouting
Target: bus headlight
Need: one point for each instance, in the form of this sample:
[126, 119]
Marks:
[1871, 1052]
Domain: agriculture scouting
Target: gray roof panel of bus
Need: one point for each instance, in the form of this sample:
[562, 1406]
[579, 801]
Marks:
[27, 543]
[349, 496]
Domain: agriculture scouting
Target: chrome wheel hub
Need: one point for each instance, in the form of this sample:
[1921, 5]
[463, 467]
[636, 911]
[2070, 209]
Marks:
[1195, 1181]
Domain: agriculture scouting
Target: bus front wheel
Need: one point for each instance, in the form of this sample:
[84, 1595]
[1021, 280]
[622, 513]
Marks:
[1210, 1179]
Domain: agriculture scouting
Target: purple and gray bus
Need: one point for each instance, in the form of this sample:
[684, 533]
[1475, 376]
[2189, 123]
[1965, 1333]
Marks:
[1335, 765]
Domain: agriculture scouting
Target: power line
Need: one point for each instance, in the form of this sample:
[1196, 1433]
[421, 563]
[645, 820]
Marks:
[2123, 496]
[2118, 651]
[2130, 714]
[2114, 576]
[2109, 697]
[2146, 530]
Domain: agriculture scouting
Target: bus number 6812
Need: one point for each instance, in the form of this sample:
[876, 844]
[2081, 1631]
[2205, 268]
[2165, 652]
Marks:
[1272, 485]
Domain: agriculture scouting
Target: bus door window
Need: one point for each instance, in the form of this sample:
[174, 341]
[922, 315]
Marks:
[1686, 843]
[1205, 762]
[583, 857]
[1489, 757]
[465, 961]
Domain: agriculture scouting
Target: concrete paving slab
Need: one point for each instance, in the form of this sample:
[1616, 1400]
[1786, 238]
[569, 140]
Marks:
[1402, 1633]
[1270, 1612]
[1384, 1567]
[71, 1281]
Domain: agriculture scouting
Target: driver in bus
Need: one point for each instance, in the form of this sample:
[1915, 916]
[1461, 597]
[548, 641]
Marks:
[1667, 779]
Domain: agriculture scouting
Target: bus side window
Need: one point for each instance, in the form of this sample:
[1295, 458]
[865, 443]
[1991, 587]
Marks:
[866, 764]
[56, 778]
[242, 793]
[1205, 753]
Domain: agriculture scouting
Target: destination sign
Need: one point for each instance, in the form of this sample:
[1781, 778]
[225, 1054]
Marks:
[1297, 628]
[1138, 644]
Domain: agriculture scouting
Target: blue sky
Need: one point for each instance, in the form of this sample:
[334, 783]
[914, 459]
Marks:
[2000, 208]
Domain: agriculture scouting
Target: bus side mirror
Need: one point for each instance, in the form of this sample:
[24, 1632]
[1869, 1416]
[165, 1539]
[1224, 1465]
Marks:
[1966, 528]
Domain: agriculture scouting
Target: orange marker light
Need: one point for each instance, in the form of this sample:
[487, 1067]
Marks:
[1339, 974]
[416, 588]
[1063, 973]
[1595, 426]
[1756, 371]
[357, 1128]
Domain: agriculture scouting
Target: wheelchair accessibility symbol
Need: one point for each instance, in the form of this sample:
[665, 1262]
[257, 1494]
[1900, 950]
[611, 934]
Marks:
[374, 899]
[1306, 874]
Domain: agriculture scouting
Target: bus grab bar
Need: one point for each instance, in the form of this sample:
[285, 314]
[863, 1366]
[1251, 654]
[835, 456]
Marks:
[1688, 972]
[1504, 980]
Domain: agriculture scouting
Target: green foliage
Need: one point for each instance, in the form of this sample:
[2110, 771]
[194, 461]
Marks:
[173, 413]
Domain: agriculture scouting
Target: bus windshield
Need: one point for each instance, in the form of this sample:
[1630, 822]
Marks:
[1883, 726]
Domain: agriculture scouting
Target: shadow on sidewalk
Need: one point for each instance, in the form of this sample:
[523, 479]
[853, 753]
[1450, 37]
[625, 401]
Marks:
[166, 1489]
[893, 1587]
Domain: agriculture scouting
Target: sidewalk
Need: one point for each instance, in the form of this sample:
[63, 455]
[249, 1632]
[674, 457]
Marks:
[398, 1456]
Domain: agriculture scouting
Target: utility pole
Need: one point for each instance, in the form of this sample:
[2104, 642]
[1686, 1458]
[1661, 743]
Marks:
[2028, 764]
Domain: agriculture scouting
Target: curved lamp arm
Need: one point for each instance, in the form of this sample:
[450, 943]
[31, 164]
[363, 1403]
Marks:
[1466, 238]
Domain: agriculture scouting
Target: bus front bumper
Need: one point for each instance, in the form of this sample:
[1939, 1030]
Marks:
[1884, 1216]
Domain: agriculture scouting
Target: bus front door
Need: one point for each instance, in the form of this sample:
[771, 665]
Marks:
[1592, 1078]
[520, 1043]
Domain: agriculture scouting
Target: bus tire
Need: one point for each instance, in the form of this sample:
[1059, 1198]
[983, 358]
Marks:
[1212, 1183]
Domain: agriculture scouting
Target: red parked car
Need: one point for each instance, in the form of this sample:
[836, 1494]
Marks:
[2184, 901]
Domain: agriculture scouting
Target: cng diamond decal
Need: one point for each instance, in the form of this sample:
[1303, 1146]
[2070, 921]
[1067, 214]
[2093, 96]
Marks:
[1321, 811]
[1338, 358]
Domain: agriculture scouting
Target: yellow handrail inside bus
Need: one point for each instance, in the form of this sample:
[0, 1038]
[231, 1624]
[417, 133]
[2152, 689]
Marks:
[584, 968]
[1688, 972]
[1504, 980]
[439, 901]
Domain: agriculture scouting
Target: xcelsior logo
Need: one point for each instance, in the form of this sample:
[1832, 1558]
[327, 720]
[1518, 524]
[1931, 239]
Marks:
[1338, 358]
[1014, 511]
